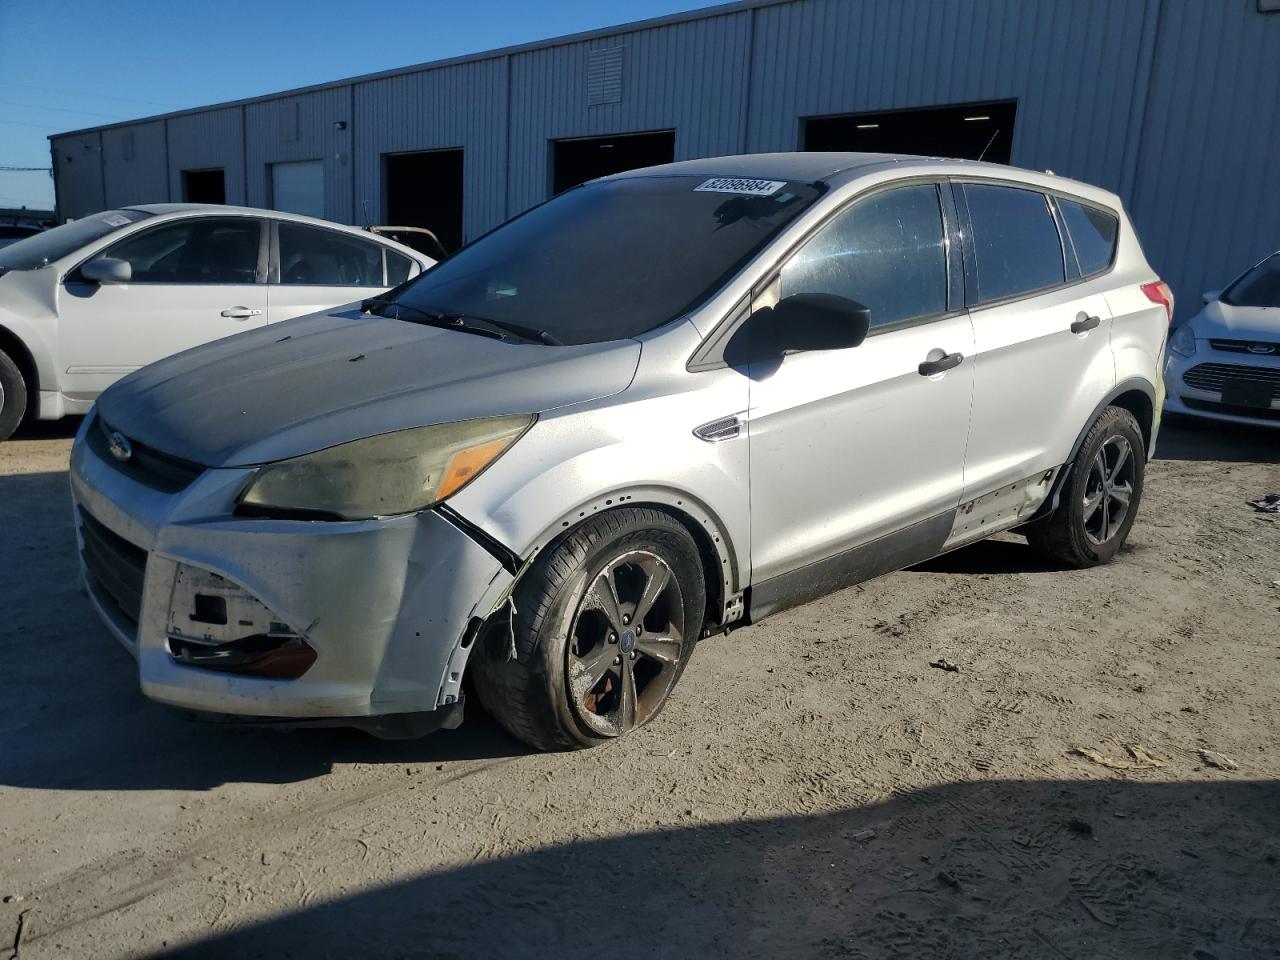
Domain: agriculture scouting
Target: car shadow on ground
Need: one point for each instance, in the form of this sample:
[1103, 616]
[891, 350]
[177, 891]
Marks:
[71, 714]
[997, 868]
[63, 429]
[1191, 438]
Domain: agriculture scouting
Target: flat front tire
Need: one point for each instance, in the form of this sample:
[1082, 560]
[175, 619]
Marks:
[606, 621]
[13, 397]
[1100, 498]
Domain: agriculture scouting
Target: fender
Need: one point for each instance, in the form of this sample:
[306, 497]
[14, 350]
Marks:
[16, 340]
[1126, 386]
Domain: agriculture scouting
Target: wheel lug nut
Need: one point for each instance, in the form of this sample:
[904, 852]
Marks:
[633, 654]
[625, 620]
[613, 638]
[616, 661]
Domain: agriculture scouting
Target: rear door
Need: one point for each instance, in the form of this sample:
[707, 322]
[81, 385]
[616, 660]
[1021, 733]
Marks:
[848, 446]
[194, 280]
[315, 268]
[1041, 337]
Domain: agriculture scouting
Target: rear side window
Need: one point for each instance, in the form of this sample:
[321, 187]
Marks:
[398, 268]
[326, 258]
[1015, 242]
[1093, 235]
[886, 252]
[199, 250]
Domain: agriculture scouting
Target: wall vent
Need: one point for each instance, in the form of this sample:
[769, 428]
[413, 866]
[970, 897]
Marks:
[604, 76]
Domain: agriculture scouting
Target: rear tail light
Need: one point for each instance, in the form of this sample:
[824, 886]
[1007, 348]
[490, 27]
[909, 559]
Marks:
[1158, 292]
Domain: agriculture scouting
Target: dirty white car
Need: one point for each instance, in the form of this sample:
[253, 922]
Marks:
[658, 406]
[87, 302]
[1224, 363]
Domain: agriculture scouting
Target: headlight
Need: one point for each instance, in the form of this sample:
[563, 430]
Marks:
[1183, 341]
[380, 476]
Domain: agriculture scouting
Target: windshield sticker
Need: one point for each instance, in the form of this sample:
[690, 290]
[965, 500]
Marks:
[755, 188]
[115, 220]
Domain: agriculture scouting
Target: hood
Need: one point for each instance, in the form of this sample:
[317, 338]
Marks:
[296, 387]
[1220, 319]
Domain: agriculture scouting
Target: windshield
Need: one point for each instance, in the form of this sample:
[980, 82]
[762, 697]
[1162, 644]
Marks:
[1260, 287]
[610, 259]
[44, 248]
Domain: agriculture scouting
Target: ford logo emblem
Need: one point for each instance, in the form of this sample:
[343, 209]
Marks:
[1262, 348]
[120, 446]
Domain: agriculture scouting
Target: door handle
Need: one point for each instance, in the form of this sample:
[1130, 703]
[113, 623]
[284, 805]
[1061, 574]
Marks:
[241, 313]
[1084, 322]
[944, 363]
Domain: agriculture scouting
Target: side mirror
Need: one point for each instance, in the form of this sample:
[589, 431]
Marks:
[802, 321]
[1211, 295]
[107, 270]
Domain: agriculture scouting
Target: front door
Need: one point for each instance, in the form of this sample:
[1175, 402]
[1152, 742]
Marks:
[851, 446]
[193, 281]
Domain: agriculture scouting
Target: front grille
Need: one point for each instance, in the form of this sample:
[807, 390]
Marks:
[116, 566]
[1214, 376]
[1242, 346]
[148, 466]
[1232, 409]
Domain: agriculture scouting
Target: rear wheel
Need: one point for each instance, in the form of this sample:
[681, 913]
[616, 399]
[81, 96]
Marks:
[13, 397]
[606, 622]
[1100, 499]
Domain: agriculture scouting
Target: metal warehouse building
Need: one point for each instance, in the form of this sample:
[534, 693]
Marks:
[1173, 104]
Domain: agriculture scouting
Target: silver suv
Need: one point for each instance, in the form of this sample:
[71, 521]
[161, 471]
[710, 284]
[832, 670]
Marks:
[658, 406]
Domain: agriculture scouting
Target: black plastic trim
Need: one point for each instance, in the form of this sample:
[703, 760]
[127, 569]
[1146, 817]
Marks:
[894, 551]
[509, 559]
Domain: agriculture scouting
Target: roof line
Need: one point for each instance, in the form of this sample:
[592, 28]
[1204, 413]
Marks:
[702, 13]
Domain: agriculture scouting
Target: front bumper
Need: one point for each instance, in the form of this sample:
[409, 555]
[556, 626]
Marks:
[1191, 400]
[385, 604]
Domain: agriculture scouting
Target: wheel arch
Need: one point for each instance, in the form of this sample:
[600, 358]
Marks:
[13, 346]
[1136, 395]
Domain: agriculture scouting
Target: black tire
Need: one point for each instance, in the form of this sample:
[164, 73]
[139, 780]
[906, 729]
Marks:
[1075, 534]
[532, 696]
[13, 397]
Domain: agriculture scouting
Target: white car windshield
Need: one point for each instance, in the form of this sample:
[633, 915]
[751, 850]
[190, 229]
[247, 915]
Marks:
[1260, 287]
[44, 248]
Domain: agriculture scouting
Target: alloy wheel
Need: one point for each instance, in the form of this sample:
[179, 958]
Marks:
[1108, 490]
[626, 643]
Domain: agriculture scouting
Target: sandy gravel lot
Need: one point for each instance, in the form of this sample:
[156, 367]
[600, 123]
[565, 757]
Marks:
[815, 789]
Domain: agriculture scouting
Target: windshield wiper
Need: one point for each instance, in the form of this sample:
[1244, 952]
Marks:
[467, 323]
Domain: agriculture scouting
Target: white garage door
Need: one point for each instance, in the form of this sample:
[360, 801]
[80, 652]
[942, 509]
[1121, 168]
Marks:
[298, 187]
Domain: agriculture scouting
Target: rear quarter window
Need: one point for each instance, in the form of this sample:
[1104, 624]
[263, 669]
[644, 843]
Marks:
[1015, 242]
[1093, 235]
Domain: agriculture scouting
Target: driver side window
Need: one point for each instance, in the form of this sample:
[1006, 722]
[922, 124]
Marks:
[886, 252]
[199, 250]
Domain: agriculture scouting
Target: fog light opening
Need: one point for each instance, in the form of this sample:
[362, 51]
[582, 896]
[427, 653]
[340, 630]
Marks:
[260, 655]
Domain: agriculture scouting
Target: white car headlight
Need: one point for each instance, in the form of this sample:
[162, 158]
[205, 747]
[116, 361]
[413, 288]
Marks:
[393, 473]
[1183, 341]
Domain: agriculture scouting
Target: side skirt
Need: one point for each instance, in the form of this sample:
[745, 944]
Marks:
[896, 550]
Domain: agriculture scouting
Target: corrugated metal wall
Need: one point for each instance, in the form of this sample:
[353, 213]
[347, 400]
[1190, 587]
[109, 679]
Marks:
[133, 164]
[204, 140]
[302, 127]
[1175, 104]
[690, 77]
[1206, 198]
[459, 106]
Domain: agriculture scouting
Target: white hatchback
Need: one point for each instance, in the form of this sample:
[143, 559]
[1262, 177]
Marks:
[85, 303]
[1224, 363]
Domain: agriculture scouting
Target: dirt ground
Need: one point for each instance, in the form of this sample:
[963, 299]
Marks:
[816, 789]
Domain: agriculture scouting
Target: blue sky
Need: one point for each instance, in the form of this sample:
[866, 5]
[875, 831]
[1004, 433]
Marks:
[67, 64]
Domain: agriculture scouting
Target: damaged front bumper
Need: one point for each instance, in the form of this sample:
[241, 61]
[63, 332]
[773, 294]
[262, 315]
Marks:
[366, 622]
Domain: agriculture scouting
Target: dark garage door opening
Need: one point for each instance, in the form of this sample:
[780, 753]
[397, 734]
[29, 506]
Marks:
[204, 186]
[577, 161]
[425, 190]
[963, 131]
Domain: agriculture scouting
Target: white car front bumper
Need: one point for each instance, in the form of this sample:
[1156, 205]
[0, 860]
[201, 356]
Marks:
[1207, 384]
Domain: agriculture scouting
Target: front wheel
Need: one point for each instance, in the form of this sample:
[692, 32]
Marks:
[606, 622]
[1100, 498]
[13, 397]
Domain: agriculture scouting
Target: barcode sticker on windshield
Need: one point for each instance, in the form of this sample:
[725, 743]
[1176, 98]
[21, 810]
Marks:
[115, 220]
[755, 188]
